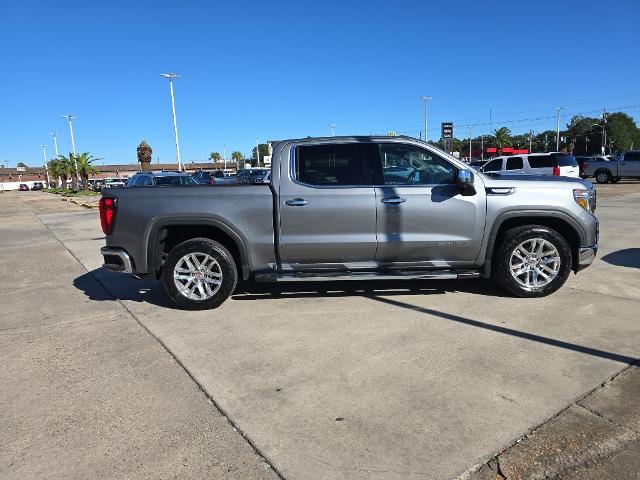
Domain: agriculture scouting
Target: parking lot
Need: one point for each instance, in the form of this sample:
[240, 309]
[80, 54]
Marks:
[338, 380]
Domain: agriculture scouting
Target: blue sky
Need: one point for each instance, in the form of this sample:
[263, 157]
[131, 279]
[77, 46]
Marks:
[289, 69]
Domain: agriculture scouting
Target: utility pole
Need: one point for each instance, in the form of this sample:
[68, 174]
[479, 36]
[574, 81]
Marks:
[558, 129]
[546, 142]
[170, 77]
[332, 126]
[46, 167]
[490, 123]
[469, 143]
[73, 143]
[224, 156]
[530, 134]
[604, 131]
[257, 153]
[482, 147]
[426, 112]
[586, 145]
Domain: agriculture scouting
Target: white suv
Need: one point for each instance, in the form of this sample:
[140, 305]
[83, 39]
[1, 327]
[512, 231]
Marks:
[557, 164]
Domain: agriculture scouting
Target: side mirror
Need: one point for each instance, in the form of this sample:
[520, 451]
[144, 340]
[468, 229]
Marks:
[464, 179]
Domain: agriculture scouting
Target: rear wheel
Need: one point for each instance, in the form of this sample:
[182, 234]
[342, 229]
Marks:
[199, 274]
[603, 176]
[532, 261]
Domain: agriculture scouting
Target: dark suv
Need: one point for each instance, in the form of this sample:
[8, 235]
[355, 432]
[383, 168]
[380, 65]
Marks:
[159, 179]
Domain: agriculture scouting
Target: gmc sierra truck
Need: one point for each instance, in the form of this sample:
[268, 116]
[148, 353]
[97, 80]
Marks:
[353, 208]
[625, 165]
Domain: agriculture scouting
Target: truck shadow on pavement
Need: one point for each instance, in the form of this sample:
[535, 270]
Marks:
[628, 257]
[101, 285]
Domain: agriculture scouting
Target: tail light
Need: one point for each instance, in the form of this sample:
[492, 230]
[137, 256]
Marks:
[556, 171]
[107, 207]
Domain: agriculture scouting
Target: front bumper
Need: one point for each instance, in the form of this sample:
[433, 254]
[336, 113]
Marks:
[116, 260]
[586, 256]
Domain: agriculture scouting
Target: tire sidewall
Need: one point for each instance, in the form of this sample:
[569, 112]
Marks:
[209, 247]
[515, 237]
[606, 179]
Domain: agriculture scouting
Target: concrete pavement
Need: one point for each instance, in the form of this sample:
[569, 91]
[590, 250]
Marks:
[86, 391]
[391, 380]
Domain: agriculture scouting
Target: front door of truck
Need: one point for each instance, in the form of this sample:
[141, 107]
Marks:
[327, 207]
[423, 218]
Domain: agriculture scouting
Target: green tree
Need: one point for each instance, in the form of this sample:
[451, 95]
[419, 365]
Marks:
[58, 170]
[215, 157]
[85, 168]
[622, 132]
[237, 157]
[264, 151]
[67, 165]
[21, 164]
[503, 137]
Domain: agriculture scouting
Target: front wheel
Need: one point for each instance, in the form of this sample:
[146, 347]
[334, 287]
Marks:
[199, 274]
[532, 261]
[603, 177]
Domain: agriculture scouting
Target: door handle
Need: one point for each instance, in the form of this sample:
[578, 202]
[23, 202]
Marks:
[297, 202]
[393, 200]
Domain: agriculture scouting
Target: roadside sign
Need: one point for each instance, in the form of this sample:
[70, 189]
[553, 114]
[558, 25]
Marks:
[447, 129]
[20, 169]
[391, 134]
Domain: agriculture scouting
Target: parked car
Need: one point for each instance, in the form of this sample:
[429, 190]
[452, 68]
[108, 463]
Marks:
[213, 177]
[37, 186]
[160, 179]
[556, 164]
[626, 165]
[252, 175]
[113, 183]
[23, 187]
[328, 213]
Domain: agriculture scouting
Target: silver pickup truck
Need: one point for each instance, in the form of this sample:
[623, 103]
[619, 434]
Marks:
[353, 208]
[625, 165]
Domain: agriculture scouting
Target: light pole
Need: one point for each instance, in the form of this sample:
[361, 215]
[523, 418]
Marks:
[73, 143]
[426, 112]
[558, 128]
[469, 142]
[332, 126]
[602, 136]
[46, 167]
[530, 135]
[170, 77]
[55, 141]
[224, 157]
[482, 147]
[257, 153]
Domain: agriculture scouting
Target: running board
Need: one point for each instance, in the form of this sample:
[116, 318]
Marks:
[350, 275]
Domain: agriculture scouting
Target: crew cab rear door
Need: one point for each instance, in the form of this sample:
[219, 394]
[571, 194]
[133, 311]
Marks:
[629, 165]
[423, 218]
[327, 207]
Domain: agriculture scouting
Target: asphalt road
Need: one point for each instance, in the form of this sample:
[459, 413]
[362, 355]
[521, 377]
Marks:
[368, 380]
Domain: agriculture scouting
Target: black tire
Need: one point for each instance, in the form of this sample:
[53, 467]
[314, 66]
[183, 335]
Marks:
[603, 176]
[615, 179]
[501, 272]
[220, 254]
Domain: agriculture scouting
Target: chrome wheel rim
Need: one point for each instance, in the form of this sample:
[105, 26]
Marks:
[535, 263]
[197, 276]
[602, 177]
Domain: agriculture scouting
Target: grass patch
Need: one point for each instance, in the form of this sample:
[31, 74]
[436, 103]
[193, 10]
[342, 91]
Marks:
[67, 192]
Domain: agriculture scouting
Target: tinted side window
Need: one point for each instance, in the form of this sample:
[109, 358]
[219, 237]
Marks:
[410, 165]
[133, 181]
[541, 161]
[330, 164]
[632, 156]
[566, 161]
[493, 166]
[514, 163]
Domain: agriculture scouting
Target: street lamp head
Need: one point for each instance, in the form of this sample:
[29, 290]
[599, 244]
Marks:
[170, 75]
[426, 98]
[69, 117]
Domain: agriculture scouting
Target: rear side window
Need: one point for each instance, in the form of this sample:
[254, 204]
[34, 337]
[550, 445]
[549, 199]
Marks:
[514, 163]
[566, 160]
[493, 166]
[331, 165]
[541, 161]
[632, 156]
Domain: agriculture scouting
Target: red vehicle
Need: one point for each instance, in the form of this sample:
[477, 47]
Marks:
[23, 187]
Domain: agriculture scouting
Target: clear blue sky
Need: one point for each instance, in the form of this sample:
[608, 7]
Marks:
[288, 69]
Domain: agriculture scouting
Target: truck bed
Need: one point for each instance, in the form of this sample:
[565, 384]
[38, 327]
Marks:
[244, 210]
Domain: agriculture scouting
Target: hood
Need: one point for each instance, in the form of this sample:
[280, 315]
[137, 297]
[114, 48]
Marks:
[531, 181]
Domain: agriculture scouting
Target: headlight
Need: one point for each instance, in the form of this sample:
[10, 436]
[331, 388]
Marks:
[586, 199]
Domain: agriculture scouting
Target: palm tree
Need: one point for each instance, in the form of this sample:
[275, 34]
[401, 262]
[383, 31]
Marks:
[56, 169]
[67, 168]
[144, 152]
[215, 156]
[85, 168]
[503, 137]
[237, 157]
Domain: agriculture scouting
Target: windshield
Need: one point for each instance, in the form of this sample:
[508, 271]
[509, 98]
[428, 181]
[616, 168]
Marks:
[566, 160]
